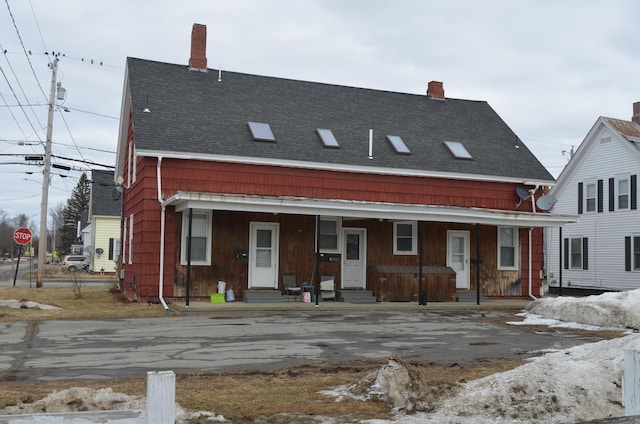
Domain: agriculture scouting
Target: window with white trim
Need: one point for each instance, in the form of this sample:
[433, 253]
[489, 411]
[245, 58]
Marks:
[405, 240]
[124, 241]
[632, 253]
[131, 239]
[200, 238]
[591, 197]
[576, 253]
[329, 233]
[507, 248]
[622, 194]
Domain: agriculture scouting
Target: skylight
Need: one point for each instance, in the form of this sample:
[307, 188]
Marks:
[398, 145]
[458, 150]
[328, 139]
[261, 131]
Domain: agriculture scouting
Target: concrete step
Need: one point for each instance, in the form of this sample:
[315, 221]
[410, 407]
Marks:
[355, 296]
[468, 296]
[265, 296]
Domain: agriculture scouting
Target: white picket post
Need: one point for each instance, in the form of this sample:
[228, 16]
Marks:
[161, 397]
[631, 383]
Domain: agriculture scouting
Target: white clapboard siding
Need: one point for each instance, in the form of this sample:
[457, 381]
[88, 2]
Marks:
[603, 154]
[104, 228]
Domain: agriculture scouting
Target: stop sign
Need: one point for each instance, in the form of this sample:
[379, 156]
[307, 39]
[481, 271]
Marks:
[22, 236]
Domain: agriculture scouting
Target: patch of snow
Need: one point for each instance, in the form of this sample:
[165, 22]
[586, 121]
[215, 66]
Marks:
[27, 304]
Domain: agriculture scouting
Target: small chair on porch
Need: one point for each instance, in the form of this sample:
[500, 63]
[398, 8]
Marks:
[290, 287]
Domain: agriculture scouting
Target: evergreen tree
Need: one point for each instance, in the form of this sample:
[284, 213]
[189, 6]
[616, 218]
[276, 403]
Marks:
[77, 203]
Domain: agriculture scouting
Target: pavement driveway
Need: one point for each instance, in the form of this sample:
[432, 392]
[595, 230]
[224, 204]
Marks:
[97, 349]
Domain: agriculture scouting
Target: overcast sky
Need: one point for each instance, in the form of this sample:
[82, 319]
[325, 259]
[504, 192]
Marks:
[548, 68]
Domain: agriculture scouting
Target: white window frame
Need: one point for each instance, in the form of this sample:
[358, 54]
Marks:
[185, 234]
[619, 193]
[124, 241]
[571, 253]
[414, 238]
[594, 207]
[516, 250]
[338, 234]
[130, 239]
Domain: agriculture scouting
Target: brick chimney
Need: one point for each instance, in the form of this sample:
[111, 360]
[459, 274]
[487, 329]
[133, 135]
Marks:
[435, 90]
[636, 113]
[198, 59]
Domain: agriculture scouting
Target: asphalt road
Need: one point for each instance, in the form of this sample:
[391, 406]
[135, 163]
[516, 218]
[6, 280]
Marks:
[67, 350]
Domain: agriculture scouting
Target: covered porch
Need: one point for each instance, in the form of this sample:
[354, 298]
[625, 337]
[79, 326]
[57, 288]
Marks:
[394, 251]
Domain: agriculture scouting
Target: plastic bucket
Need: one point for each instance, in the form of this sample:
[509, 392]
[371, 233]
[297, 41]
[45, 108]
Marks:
[221, 287]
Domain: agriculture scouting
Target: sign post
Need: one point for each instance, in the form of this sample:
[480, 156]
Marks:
[21, 236]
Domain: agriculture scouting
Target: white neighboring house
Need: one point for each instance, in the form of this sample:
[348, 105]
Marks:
[601, 252]
[105, 210]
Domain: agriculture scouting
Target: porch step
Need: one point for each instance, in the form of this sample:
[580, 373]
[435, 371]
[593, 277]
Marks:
[468, 296]
[263, 296]
[355, 296]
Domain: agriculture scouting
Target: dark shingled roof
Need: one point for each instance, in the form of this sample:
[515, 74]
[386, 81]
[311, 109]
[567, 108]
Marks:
[193, 112]
[105, 200]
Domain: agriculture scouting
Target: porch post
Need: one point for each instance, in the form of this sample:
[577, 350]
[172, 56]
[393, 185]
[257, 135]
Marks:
[560, 265]
[317, 261]
[422, 295]
[478, 262]
[188, 288]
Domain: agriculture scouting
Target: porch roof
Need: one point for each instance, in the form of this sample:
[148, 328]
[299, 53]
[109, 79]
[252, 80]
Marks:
[359, 209]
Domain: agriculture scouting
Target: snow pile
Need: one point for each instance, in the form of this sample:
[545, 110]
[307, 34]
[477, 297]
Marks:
[617, 310]
[27, 304]
[78, 399]
[578, 384]
[82, 399]
[574, 385]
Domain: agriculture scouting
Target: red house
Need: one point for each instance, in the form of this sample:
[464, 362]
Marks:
[397, 197]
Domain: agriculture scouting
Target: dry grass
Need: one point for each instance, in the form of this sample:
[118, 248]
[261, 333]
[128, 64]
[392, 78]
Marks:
[93, 303]
[283, 396]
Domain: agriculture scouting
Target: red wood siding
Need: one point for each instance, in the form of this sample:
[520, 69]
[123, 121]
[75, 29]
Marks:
[227, 178]
[297, 234]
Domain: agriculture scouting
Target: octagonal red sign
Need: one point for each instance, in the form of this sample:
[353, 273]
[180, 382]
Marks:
[22, 236]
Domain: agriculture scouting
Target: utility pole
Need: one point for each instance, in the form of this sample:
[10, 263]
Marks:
[42, 242]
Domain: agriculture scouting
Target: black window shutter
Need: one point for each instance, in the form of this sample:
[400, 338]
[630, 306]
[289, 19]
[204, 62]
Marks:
[585, 253]
[612, 194]
[627, 253]
[566, 253]
[600, 195]
[111, 240]
[580, 201]
[634, 192]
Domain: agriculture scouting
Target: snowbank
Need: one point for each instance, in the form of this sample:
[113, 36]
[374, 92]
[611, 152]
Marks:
[578, 384]
[27, 304]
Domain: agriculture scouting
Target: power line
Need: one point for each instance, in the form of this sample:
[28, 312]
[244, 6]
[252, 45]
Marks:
[25, 50]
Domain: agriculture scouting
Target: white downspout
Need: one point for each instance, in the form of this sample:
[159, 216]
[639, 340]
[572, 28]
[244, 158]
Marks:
[162, 225]
[530, 273]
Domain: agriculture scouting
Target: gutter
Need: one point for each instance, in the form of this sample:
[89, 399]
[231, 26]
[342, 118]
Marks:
[162, 226]
[530, 273]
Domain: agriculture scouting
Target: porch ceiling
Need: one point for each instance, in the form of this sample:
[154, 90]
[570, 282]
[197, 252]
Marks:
[359, 209]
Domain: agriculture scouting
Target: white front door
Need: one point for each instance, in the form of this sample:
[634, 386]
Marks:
[354, 258]
[458, 256]
[263, 254]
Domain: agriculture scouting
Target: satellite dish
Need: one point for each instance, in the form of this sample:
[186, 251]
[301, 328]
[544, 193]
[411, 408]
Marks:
[522, 193]
[546, 202]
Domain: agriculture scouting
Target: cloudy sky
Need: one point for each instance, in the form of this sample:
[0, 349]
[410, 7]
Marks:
[549, 68]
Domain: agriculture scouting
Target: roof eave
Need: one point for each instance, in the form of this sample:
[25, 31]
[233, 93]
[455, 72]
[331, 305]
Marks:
[358, 209]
